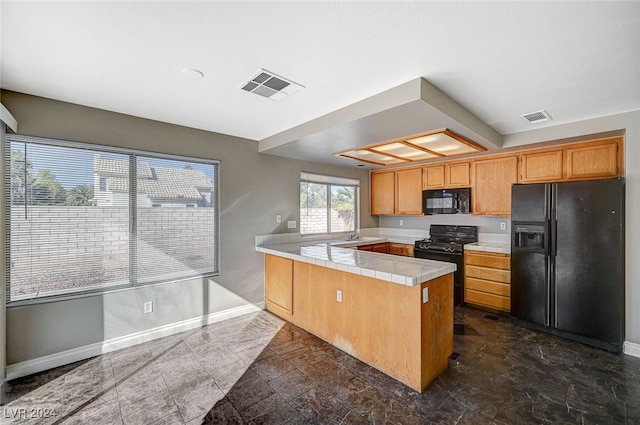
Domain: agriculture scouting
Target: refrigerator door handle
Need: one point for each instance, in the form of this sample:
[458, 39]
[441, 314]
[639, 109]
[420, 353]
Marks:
[555, 238]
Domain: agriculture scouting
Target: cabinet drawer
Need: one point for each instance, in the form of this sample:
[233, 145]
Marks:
[488, 286]
[496, 261]
[488, 274]
[488, 300]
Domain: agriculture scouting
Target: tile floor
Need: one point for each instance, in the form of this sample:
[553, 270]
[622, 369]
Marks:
[257, 369]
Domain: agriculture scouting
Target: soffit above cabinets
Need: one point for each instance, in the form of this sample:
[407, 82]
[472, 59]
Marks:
[420, 147]
[440, 127]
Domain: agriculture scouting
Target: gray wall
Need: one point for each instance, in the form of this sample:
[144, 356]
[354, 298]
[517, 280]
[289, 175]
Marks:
[253, 188]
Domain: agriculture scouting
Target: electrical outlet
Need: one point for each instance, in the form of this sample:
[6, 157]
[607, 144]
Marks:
[291, 224]
[339, 296]
[401, 222]
[425, 295]
[148, 307]
[278, 218]
[503, 225]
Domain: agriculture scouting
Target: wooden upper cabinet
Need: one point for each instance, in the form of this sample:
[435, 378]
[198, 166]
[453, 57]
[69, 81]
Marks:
[383, 193]
[447, 175]
[433, 177]
[409, 192]
[538, 167]
[596, 160]
[458, 174]
[396, 192]
[492, 185]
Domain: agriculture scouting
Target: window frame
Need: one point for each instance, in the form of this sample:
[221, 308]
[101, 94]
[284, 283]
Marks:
[104, 288]
[330, 181]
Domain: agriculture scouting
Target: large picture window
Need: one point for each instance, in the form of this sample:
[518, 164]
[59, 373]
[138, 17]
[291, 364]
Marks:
[82, 218]
[328, 204]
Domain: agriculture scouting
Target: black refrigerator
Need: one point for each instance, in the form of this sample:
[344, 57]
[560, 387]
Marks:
[567, 260]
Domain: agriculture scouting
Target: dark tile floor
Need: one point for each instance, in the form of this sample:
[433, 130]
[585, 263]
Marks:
[257, 369]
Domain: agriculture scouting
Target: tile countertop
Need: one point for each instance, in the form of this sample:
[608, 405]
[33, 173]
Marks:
[500, 248]
[392, 268]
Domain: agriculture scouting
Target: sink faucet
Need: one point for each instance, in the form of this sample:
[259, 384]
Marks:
[354, 236]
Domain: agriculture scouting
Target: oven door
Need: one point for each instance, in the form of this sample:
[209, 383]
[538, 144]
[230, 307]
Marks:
[458, 275]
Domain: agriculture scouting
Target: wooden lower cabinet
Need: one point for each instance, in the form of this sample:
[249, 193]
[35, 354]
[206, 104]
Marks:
[487, 280]
[279, 286]
[384, 324]
[376, 247]
[381, 323]
[405, 250]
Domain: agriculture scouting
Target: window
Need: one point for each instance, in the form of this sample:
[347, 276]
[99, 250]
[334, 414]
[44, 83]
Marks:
[76, 222]
[328, 204]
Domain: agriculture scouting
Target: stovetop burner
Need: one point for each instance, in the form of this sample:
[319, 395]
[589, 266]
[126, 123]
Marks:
[448, 238]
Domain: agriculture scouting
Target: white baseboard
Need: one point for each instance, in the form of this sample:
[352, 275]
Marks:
[632, 349]
[40, 364]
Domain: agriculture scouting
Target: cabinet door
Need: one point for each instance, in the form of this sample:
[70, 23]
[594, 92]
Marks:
[493, 178]
[381, 247]
[595, 161]
[401, 249]
[409, 192]
[433, 177]
[458, 174]
[279, 286]
[541, 166]
[382, 193]
[365, 248]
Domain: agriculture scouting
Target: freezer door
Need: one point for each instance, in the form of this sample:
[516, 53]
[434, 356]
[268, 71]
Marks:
[530, 202]
[530, 287]
[589, 262]
[530, 209]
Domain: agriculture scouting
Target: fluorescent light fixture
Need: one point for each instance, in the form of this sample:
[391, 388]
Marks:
[421, 147]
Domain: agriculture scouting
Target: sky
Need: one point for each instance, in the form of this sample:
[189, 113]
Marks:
[73, 166]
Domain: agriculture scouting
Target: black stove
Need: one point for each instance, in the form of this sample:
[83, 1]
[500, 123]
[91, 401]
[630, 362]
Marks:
[448, 238]
[446, 243]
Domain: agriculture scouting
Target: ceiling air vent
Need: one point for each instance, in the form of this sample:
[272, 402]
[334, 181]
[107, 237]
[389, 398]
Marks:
[537, 116]
[272, 86]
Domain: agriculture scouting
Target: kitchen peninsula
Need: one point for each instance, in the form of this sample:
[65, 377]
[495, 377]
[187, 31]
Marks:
[394, 313]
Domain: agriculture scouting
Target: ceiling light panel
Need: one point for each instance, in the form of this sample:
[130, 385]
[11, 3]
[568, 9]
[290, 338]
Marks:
[421, 147]
[372, 157]
[443, 144]
[267, 84]
[404, 151]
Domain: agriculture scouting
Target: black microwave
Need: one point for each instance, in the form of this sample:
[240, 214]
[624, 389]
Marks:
[446, 201]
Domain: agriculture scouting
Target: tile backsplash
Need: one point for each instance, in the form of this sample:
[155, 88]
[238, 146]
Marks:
[284, 238]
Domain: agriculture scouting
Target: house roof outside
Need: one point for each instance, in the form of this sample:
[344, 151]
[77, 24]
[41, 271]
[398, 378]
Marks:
[155, 182]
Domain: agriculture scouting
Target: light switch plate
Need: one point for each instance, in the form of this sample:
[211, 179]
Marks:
[339, 296]
[425, 295]
[278, 218]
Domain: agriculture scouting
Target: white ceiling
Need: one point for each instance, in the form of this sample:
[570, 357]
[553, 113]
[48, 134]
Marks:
[577, 60]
